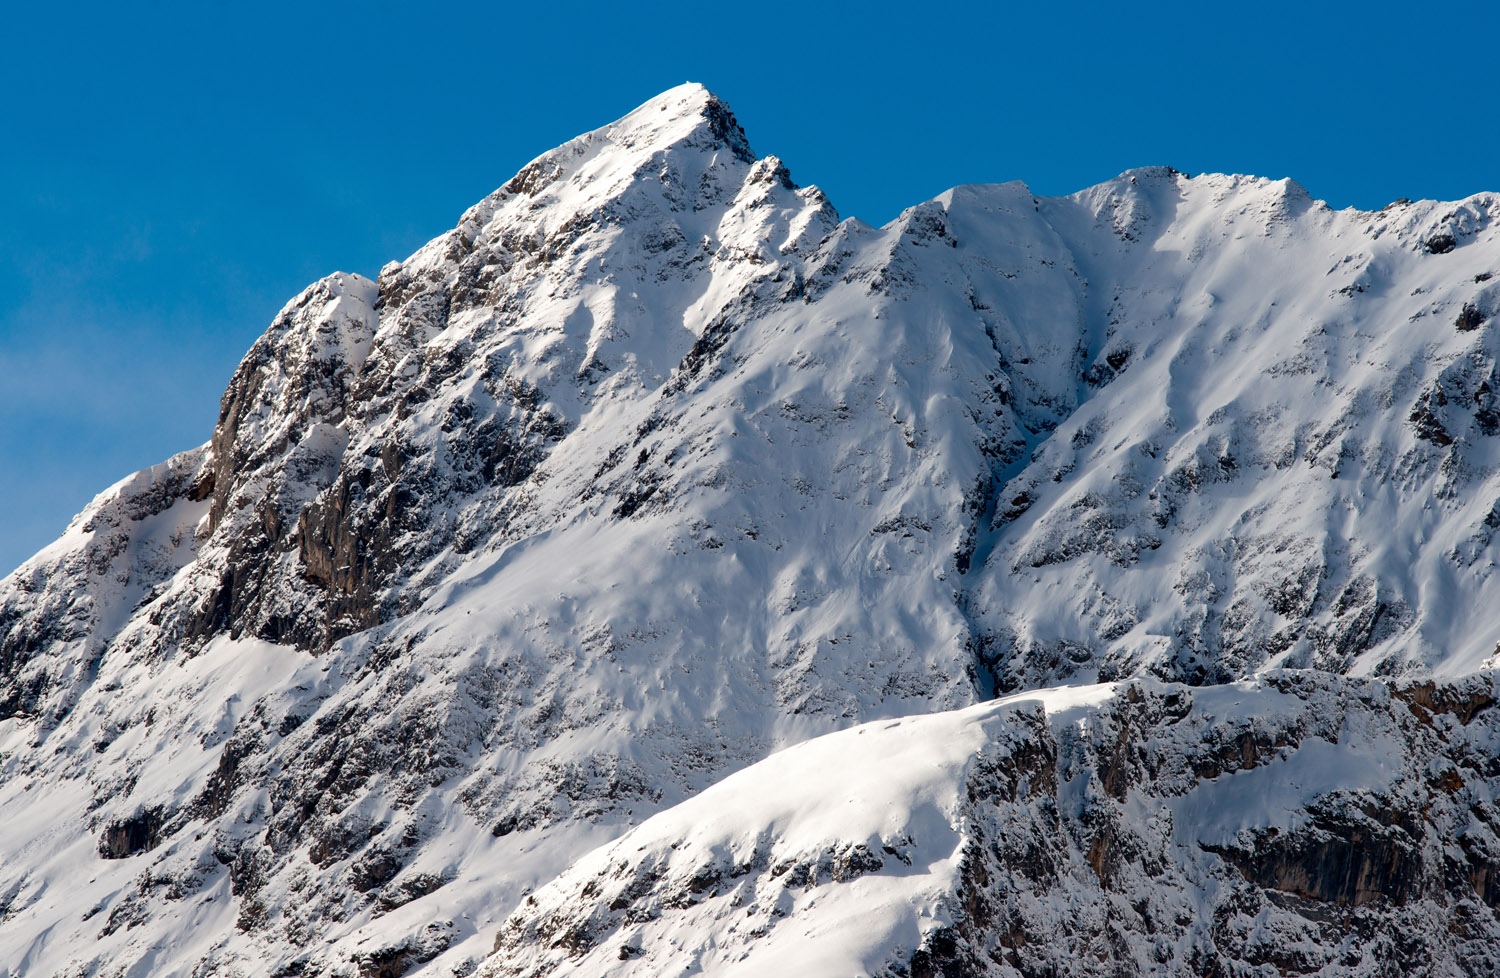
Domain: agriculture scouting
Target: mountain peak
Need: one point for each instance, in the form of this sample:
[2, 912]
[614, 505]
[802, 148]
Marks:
[686, 118]
[689, 104]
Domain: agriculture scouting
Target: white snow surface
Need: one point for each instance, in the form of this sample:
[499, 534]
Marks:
[654, 468]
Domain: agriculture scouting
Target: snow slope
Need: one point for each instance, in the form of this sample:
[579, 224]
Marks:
[653, 467]
[1282, 387]
[876, 810]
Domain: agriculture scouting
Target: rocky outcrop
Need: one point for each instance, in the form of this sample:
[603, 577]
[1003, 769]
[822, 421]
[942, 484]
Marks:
[140, 832]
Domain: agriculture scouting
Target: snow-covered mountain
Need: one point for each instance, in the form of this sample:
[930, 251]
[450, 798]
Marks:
[548, 606]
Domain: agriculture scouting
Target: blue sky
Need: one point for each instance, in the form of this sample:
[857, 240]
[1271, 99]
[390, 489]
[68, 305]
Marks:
[173, 173]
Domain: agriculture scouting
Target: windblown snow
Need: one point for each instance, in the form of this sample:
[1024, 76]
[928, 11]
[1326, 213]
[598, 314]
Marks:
[657, 574]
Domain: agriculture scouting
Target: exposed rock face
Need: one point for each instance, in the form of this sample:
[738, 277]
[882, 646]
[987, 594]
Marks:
[284, 425]
[653, 465]
[127, 836]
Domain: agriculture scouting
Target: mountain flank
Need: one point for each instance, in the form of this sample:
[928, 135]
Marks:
[659, 573]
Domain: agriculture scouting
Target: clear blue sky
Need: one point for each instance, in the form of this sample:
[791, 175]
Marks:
[173, 173]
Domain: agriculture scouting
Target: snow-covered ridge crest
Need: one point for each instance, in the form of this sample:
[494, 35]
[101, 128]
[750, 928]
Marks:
[1131, 828]
[79, 594]
[653, 467]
